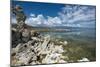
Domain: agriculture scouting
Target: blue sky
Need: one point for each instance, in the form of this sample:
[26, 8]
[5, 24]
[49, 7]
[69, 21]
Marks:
[46, 9]
[53, 14]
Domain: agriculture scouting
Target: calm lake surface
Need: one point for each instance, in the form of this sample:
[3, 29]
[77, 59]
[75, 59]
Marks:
[75, 34]
[84, 37]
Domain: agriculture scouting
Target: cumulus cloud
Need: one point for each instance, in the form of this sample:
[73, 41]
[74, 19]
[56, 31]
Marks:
[70, 15]
[32, 20]
[54, 21]
[41, 20]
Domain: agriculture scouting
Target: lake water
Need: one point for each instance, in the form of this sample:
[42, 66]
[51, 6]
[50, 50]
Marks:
[75, 34]
[85, 38]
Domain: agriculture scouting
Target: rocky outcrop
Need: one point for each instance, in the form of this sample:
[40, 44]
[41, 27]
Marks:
[30, 47]
[34, 49]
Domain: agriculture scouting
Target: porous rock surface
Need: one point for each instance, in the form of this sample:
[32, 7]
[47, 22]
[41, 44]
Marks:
[34, 49]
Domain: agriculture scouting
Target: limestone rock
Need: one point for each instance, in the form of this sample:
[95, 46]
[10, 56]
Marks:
[84, 60]
[37, 50]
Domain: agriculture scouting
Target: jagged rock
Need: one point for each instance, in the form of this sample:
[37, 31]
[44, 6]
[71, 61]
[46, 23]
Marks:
[84, 60]
[36, 39]
[62, 61]
[44, 45]
[65, 42]
[52, 58]
[34, 33]
[37, 50]
[25, 35]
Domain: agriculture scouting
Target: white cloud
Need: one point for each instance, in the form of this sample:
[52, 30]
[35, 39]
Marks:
[54, 21]
[69, 16]
[41, 20]
[77, 14]
[32, 15]
[32, 20]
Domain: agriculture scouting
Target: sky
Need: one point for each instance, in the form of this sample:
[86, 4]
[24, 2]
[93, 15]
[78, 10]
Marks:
[53, 14]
